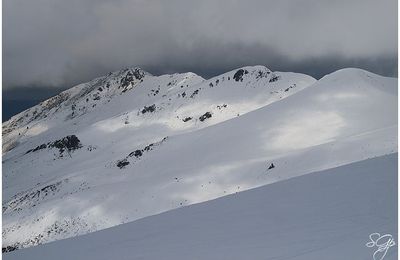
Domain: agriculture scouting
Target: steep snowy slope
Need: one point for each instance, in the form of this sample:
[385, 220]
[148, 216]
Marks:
[67, 108]
[133, 98]
[323, 215]
[137, 155]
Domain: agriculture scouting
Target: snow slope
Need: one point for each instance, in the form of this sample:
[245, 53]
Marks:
[323, 215]
[137, 156]
[121, 99]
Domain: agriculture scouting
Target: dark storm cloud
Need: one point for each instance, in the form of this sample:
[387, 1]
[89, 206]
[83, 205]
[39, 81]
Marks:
[212, 61]
[61, 43]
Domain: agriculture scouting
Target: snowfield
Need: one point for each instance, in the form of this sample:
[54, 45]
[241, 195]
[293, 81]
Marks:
[322, 215]
[130, 145]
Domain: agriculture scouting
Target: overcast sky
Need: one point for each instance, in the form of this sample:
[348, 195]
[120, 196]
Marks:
[59, 43]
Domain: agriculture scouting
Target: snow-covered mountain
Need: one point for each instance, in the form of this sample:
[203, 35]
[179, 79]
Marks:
[130, 145]
[323, 215]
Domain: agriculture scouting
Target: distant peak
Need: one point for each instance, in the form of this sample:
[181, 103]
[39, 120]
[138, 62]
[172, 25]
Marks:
[255, 68]
[347, 74]
[135, 71]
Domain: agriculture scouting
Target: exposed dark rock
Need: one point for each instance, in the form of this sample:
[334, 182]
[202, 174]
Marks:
[148, 148]
[187, 119]
[121, 164]
[40, 147]
[271, 166]
[150, 109]
[205, 116]
[138, 73]
[222, 106]
[136, 153]
[154, 92]
[130, 77]
[127, 80]
[48, 188]
[91, 148]
[9, 249]
[69, 143]
[262, 74]
[239, 75]
[194, 93]
[274, 78]
[293, 86]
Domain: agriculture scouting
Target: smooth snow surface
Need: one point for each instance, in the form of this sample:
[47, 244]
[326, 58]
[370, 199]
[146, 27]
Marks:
[324, 215]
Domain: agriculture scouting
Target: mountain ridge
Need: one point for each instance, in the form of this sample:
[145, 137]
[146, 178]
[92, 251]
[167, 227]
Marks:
[155, 148]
